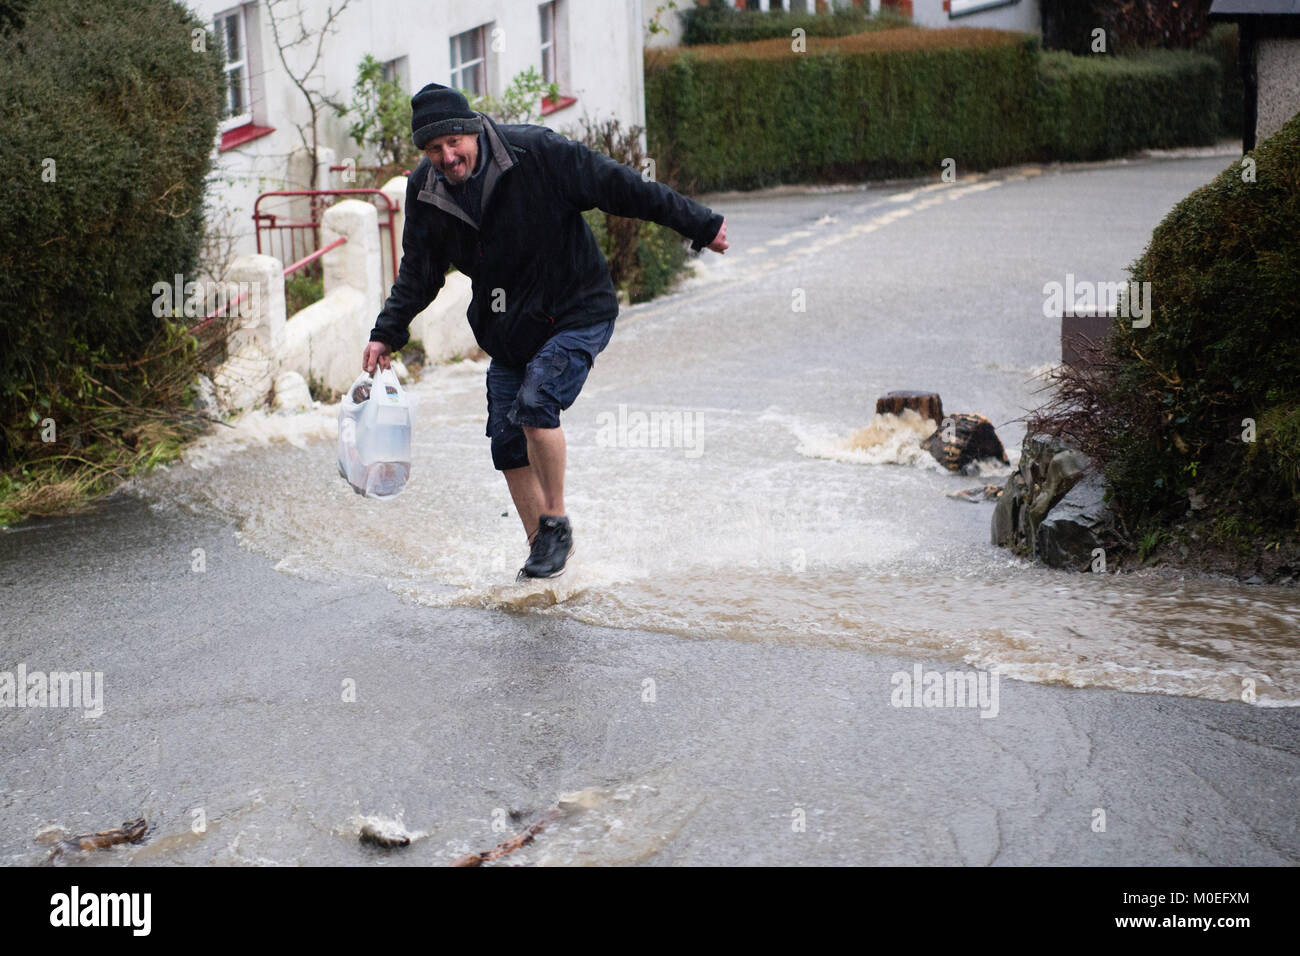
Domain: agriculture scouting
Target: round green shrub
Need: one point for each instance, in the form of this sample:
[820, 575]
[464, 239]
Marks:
[106, 138]
[1221, 357]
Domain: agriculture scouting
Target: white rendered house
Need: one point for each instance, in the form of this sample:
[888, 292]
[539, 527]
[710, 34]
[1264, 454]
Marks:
[591, 48]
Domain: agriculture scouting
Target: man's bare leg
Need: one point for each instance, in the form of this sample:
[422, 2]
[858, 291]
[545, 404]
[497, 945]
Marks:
[546, 453]
[527, 495]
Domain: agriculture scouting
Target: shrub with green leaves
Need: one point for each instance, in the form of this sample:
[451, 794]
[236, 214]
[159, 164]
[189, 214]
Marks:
[889, 103]
[1221, 43]
[521, 101]
[660, 262]
[106, 138]
[1127, 26]
[302, 290]
[1220, 363]
[381, 117]
[897, 102]
[1095, 107]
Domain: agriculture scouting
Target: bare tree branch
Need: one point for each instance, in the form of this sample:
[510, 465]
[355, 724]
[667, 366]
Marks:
[315, 98]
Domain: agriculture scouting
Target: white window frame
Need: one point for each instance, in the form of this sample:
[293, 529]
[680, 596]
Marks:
[550, 61]
[964, 8]
[397, 70]
[242, 64]
[479, 63]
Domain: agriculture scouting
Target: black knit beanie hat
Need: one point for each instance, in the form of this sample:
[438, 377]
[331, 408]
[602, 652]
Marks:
[438, 110]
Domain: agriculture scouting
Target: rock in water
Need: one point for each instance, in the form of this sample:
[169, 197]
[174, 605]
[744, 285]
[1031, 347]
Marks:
[1053, 507]
[1064, 471]
[1013, 523]
[926, 404]
[1076, 526]
[1006, 513]
[385, 834]
[963, 439]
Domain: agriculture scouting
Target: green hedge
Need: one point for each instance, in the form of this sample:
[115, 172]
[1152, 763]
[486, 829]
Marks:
[1224, 268]
[1095, 107]
[1221, 43]
[106, 138]
[898, 102]
[883, 104]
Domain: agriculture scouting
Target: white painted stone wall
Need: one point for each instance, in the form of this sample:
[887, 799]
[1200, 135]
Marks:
[1278, 67]
[253, 357]
[325, 341]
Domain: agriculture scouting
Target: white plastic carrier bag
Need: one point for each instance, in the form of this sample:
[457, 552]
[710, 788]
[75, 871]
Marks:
[375, 435]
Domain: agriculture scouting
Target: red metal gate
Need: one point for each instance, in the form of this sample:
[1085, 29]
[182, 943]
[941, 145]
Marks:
[293, 229]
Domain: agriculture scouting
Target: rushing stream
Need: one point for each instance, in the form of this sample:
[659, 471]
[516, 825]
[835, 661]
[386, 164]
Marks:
[769, 528]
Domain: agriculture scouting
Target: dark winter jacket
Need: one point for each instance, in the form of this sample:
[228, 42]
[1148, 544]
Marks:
[531, 243]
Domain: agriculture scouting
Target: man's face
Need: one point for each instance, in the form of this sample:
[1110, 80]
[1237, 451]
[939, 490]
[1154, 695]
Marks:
[454, 155]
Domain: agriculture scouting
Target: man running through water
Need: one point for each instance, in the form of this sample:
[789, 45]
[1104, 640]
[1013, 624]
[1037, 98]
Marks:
[503, 204]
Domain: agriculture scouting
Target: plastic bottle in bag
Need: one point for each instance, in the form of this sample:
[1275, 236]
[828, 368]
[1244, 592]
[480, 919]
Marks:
[374, 445]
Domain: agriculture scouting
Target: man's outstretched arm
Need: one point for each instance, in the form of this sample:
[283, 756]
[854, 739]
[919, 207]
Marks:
[591, 180]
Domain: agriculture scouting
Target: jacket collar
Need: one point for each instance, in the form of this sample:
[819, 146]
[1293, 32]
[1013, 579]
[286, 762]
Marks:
[503, 158]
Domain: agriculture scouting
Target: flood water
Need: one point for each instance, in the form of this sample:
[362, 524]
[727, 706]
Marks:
[713, 484]
[748, 537]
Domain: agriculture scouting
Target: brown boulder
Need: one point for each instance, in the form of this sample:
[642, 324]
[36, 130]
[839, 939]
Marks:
[963, 439]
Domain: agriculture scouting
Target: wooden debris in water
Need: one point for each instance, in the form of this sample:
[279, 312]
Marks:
[131, 831]
[984, 493]
[514, 843]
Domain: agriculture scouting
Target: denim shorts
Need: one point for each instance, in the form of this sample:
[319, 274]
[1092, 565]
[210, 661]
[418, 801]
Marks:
[535, 394]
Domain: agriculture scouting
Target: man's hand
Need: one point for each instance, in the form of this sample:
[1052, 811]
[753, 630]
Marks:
[376, 352]
[719, 243]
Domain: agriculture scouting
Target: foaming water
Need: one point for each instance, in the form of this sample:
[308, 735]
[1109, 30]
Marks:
[891, 439]
[887, 439]
[789, 530]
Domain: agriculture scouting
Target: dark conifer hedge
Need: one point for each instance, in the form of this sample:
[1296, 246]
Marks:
[106, 137]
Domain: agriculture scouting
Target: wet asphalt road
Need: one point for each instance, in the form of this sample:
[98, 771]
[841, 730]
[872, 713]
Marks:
[279, 710]
[224, 694]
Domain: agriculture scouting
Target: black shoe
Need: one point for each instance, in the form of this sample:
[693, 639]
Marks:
[551, 548]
